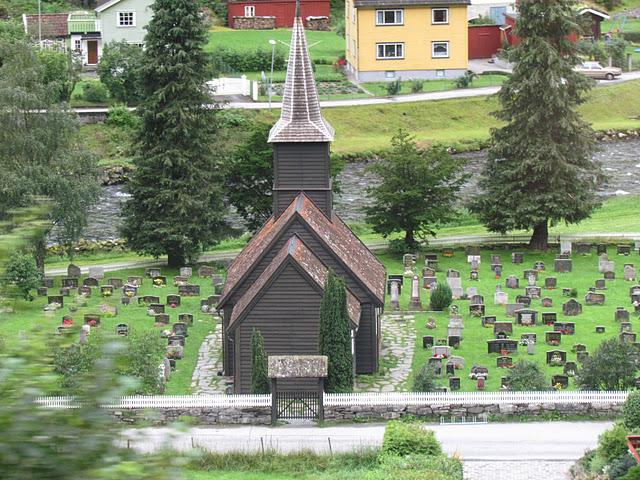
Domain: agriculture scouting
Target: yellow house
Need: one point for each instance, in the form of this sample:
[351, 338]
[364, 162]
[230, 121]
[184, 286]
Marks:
[406, 39]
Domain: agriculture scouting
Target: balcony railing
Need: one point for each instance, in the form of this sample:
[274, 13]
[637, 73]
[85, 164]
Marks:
[84, 24]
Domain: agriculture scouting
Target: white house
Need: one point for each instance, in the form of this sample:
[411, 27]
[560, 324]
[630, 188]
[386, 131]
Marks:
[493, 9]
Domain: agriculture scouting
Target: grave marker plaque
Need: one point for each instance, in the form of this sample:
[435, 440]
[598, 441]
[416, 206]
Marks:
[115, 282]
[69, 282]
[556, 358]
[189, 290]
[174, 300]
[571, 308]
[517, 257]
[553, 338]
[73, 271]
[563, 265]
[90, 282]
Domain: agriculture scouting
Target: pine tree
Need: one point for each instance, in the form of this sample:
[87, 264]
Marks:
[335, 335]
[259, 376]
[176, 204]
[540, 167]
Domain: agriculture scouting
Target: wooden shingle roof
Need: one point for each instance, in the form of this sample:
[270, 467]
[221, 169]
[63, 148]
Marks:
[54, 25]
[300, 117]
[337, 237]
[297, 251]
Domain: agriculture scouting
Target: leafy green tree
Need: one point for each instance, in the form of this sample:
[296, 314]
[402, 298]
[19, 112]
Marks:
[118, 70]
[176, 205]
[540, 167]
[335, 335]
[22, 274]
[631, 411]
[41, 153]
[426, 379]
[526, 376]
[60, 72]
[417, 189]
[259, 377]
[610, 367]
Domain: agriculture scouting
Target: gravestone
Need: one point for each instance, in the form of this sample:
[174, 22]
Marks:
[186, 318]
[547, 302]
[566, 292]
[495, 266]
[408, 262]
[65, 291]
[115, 282]
[155, 308]
[174, 300]
[130, 290]
[629, 273]
[457, 362]
[73, 271]
[152, 272]
[498, 271]
[124, 300]
[90, 282]
[606, 265]
[609, 275]
[550, 283]
[553, 338]
[122, 329]
[563, 265]
[180, 329]
[106, 290]
[92, 319]
[623, 250]
[452, 273]
[186, 272]
[454, 383]
[427, 341]
[601, 284]
[390, 281]
[428, 272]
[503, 327]
[556, 358]
[533, 292]
[449, 369]
[206, 271]
[622, 314]
[626, 327]
[471, 291]
[415, 303]
[565, 248]
[395, 295]
[134, 280]
[476, 299]
[479, 371]
[628, 337]
[189, 290]
[42, 291]
[500, 298]
[161, 319]
[488, 321]
[600, 329]
[593, 298]
[601, 248]
[454, 341]
[583, 248]
[582, 356]
[178, 280]
[502, 345]
[96, 272]
[159, 281]
[512, 307]
[571, 308]
[565, 328]
[538, 266]
[526, 274]
[517, 257]
[527, 338]
[526, 317]
[512, 282]
[47, 282]
[84, 291]
[448, 252]
[175, 352]
[570, 369]
[476, 310]
[148, 299]
[474, 275]
[472, 250]
[504, 362]
[441, 351]
[579, 347]
[559, 381]
[524, 300]
[69, 282]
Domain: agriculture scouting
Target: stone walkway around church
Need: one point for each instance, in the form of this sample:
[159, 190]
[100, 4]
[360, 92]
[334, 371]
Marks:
[396, 355]
[205, 379]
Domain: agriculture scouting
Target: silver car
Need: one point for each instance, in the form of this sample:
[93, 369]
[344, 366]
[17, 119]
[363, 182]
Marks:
[597, 71]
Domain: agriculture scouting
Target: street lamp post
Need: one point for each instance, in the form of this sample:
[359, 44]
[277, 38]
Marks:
[40, 23]
[272, 42]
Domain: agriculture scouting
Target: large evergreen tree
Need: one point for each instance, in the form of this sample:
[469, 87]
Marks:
[540, 167]
[335, 335]
[417, 189]
[176, 204]
[259, 375]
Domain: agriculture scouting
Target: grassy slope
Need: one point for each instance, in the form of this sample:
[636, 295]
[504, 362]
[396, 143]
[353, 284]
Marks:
[28, 314]
[474, 346]
[380, 88]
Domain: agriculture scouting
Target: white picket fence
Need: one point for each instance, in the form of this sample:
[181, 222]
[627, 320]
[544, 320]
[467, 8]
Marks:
[389, 399]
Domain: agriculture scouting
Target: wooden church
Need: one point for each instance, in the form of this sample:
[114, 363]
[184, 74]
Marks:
[276, 283]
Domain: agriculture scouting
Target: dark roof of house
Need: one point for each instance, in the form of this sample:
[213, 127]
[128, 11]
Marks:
[295, 249]
[54, 25]
[300, 117]
[333, 232]
[408, 3]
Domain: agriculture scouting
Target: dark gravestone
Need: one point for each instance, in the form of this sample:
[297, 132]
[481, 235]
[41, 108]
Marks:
[454, 341]
[526, 317]
[517, 257]
[512, 282]
[559, 381]
[206, 271]
[189, 290]
[450, 369]
[528, 273]
[448, 252]
[152, 272]
[161, 319]
[533, 292]
[472, 250]
[601, 284]
[135, 281]
[565, 328]
[500, 345]
[601, 248]
[524, 300]
[550, 283]
[92, 319]
[571, 308]
[488, 321]
[218, 288]
[155, 308]
[622, 314]
[566, 292]
[583, 248]
[84, 290]
[547, 302]
[106, 290]
[90, 282]
[124, 300]
[47, 282]
[427, 282]
[553, 338]
[628, 337]
[454, 383]
[556, 358]
[503, 327]
[593, 298]
[65, 291]
[149, 299]
[73, 271]
[179, 280]
[609, 275]
[436, 364]
[626, 327]
[180, 328]
[59, 299]
[173, 300]
[504, 362]
[70, 282]
[600, 329]
[623, 249]
[563, 265]
[122, 329]
[115, 282]
[538, 266]
[43, 291]
[476, 299]
[474, 275]
[427, 341]
[579, 347]
[159, 281]
[476, 310]
[186, 318]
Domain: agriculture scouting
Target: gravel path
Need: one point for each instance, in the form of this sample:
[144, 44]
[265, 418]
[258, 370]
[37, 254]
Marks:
[519, 470]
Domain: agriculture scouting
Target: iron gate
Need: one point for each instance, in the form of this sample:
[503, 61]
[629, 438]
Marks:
[301, 405]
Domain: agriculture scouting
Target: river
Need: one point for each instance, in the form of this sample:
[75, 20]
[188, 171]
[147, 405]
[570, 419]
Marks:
[621, 162]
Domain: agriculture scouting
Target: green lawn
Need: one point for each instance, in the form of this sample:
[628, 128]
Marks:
[29, 314]
[474, 346]
[324, 46]
[380, 88]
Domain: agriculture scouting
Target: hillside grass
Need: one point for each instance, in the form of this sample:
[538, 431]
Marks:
[380, 88]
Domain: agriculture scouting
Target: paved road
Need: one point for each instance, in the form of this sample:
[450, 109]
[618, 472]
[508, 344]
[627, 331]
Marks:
[509, 451]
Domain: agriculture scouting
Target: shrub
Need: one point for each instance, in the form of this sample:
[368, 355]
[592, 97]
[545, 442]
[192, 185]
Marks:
[465, 80]
[573, 293]
[259, 377]
[23, 275]
[59, 72]
[425, 380]
[120, 116]
[227, 60]
[417, 467]
[620, 466]
[417, 86]
[393, 88]
[610, 367]
[441, 297]
[612, 443]
[632, 474]
[73, 362]
[526, 375]
[402, 438]
[118, 70]
[142, 356]
[631, 411]
[633, 37]
[94, 92]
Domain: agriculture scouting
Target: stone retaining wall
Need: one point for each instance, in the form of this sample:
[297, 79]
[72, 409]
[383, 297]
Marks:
[262, 415]
[254, 23]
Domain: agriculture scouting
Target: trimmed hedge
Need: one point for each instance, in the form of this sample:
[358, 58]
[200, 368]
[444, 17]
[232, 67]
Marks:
[401, 438]
[226, 60]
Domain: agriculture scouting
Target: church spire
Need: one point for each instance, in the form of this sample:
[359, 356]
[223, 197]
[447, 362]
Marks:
[300, 118]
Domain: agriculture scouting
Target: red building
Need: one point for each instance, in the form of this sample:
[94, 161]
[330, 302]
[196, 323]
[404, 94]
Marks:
[282, 11]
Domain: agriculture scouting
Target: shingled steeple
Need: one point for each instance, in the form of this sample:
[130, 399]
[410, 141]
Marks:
[300, 118]
[301, 136]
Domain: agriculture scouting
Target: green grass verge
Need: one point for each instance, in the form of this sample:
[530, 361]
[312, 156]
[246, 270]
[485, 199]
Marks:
[474, 346]
[380, 88]
[28, 315]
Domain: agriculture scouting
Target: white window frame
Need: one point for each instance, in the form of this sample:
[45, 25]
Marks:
[433, 16]
[250, 11]
[77, 44]
[397, 13]
[385, 44]
[433, 49]
[126, 12]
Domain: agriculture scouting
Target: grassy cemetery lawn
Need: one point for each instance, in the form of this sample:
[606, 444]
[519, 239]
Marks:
[380, 88]
[30, 315]
[473, 348]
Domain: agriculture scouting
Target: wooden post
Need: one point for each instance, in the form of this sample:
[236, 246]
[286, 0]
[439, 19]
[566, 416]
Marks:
[274, 401]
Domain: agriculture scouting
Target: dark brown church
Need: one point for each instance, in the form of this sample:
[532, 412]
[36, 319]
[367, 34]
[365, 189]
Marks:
[276, 283]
